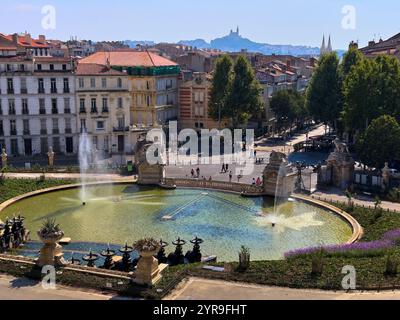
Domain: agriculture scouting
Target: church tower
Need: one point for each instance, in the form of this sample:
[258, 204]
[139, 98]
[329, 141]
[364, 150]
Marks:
[323, 48]
[329, 49]
[237, 30]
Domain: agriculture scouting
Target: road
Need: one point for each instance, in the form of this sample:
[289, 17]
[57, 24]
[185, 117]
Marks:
[25, 289]
[203, 289]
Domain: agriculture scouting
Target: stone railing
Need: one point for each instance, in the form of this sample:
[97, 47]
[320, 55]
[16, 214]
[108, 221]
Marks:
[217, 185]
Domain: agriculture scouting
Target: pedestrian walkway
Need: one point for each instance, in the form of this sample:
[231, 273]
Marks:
[337, 196]
[204, 289]
[72, 176]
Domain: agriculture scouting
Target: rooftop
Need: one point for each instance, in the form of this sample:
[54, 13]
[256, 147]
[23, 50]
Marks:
[92, 69]
[128, 58]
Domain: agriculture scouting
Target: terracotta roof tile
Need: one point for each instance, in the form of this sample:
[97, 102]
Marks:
[128, 59]
[92, 69]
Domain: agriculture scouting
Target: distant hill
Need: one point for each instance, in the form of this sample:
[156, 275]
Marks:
[234, 42]
[134, 43]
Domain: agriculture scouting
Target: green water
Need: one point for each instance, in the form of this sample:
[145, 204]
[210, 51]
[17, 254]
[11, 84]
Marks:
[116, 214]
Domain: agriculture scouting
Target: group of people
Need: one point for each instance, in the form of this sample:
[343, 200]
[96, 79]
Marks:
[195, 174]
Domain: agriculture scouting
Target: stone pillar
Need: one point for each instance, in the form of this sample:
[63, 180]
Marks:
[51, 252]
[147, 271]
[4, 158]
[386, 174]
[50, 155]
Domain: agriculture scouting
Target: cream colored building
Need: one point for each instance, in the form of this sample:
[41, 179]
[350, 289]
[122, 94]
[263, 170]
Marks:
[103, 102]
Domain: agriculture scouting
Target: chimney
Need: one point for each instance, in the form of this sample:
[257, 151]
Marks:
[42, 38]
[28, 38]
[15, 38]
[371, 43]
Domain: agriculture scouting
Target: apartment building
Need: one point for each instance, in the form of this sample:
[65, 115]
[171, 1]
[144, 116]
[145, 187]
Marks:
[103, 99]
[37, 100]
[153, 85]
[194, 96]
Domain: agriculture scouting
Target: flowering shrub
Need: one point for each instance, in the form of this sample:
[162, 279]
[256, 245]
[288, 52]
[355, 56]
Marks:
[387, 241]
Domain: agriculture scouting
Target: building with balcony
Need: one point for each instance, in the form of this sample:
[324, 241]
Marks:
[153, 85]
[104, 100]
[37, 98]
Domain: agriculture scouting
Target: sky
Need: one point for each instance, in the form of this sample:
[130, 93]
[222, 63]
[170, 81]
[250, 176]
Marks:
[297, 22]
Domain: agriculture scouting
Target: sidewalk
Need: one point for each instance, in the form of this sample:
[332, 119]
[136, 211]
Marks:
[337, 196]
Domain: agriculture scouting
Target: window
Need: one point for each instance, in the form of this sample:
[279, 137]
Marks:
[95, 141]
[81, 82]
[56, 144]
[66, 85]
[104, 82]
[64, 67]
[54, 109]
[93, 82]
[106, 143]
[24, 89]
[13, 128]
[25, 123]
[51, 67]
[120, 103]
[21, 67]
[147, 85]
[105, 105]
[1, 108]
[25, 106]
[39, 67]
[93, 105]
[67, 105]
[41, 86]
[119, 83]
[82, 108]
[9, 67]
[68, 125]
[14, 147]
[11, 106]
[83, 125]
[44, 145]
[121, 122]
[148, 100]
[10, 86]
[100, 125]
[1, 130]
[43, 126]
[42, 106]
[53, 85]
[55, 126]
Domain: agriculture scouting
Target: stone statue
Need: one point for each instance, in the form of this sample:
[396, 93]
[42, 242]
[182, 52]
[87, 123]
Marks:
[50, 155]
[341, 165]
[149, 174]
[4, 158]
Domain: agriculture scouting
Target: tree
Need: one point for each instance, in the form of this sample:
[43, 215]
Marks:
[350, 59]
[221, 88]
[380, 143]
[288, 106]
[371, 89]
[323, 97]
[245, 96]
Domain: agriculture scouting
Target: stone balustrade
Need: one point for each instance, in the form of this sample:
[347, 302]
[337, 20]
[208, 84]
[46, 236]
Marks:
[217, 185]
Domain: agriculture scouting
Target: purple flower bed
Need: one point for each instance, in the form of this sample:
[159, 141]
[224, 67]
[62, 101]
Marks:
[387, 241]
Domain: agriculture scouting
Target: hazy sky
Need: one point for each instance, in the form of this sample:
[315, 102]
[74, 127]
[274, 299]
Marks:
[275, 22]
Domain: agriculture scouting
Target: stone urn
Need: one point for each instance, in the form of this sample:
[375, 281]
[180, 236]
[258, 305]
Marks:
[51, 252]
[147, 271]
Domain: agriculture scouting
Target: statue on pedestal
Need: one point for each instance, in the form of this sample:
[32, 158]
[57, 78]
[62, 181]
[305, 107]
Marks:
[50, 155]
[148, 174]
[4, 158]
[341, 165]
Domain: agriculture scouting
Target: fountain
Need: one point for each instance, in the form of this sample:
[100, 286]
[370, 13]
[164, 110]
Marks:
[161, 257]
[85, 155]
[91, 259]
[177, 257]
[108, 254]
[126, 256]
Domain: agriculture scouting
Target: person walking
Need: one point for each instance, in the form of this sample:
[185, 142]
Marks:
[192, 172]
[226, 167]
[223, 168]
[198, 172]
[258, 182]
[230, 176]
[254, 182]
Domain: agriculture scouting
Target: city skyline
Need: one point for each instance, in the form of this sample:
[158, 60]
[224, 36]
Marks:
[296, 23]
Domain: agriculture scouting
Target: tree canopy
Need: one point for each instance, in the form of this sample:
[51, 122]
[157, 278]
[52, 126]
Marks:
[323, 97]
[235, 93]
[380, 143]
